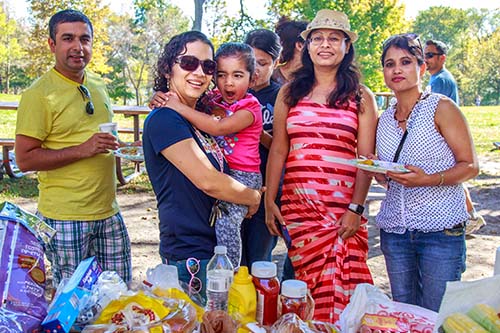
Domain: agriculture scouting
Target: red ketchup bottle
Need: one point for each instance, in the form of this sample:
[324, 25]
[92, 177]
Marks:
[268, 289]
[294, 298]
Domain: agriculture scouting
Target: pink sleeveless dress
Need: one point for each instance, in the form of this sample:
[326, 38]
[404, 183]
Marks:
[316, 192]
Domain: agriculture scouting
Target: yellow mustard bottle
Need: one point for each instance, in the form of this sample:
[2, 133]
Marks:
[242, 299]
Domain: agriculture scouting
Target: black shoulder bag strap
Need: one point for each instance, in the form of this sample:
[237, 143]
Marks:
[400, 147]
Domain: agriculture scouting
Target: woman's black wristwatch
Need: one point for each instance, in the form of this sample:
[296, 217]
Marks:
[356, 209]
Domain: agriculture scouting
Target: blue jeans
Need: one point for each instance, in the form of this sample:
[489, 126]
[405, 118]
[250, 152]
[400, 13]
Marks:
[185, 276]
[420, 263]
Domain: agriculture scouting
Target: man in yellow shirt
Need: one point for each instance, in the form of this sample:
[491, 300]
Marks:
[57, 135]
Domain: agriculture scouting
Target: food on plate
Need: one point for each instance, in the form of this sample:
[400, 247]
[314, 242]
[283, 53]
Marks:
[133, 153]
[130, 150]
[367, 162]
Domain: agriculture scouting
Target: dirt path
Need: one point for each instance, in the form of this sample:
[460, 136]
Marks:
[139, 211]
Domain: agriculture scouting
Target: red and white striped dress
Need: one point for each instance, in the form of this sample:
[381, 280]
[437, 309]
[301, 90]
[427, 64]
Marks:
[316, 193]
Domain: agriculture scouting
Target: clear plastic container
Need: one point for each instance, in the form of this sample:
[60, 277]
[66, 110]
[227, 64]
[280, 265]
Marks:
[219, 279]
[293, 298]
[267, 287]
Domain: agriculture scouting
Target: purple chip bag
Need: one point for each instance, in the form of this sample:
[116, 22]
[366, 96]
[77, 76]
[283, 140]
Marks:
[22, 277]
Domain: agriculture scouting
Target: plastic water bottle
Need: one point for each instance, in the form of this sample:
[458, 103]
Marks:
[219, 279]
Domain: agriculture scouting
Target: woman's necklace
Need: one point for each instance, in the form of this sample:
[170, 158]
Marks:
[408, 116]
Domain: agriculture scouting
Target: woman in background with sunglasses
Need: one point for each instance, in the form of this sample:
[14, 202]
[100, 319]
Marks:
[423, 215]
[185, 165]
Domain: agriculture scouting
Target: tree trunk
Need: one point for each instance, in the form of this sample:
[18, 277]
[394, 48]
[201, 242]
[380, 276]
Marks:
[7, 78]
[198, 14]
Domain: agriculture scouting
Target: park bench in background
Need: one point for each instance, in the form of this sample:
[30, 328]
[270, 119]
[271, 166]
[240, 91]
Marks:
[128, 111]
[8, 165]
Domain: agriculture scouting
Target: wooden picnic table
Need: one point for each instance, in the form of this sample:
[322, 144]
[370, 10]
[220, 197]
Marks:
[128, 111]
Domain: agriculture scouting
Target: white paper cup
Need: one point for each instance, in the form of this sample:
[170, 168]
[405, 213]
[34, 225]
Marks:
[109, 128]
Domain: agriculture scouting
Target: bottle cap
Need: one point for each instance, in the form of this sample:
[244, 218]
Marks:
[264, 269]
[220, 249]
[294, 288]
[242, 276]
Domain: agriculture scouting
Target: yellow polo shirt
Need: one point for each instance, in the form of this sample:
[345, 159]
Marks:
[53, 110]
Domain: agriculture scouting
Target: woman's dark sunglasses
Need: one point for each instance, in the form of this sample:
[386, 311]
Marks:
[193, 267]
[190, 63]
[89, 108]
[430, 55]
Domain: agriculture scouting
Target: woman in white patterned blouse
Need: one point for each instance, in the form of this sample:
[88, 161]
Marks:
[423, 215]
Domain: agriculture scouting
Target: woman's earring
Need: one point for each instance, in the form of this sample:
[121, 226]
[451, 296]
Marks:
[167, 77]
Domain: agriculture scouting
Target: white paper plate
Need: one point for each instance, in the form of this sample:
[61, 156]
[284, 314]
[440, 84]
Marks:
[380, 166]
[132, 153]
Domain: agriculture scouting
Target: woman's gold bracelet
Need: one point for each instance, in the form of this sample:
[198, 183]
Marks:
[441, 180]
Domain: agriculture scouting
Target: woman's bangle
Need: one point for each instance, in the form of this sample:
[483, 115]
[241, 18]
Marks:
[441, 180]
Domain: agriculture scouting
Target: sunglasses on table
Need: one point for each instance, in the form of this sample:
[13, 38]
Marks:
[89, 107]
[430, 55]
[193, 267]
[190, 63]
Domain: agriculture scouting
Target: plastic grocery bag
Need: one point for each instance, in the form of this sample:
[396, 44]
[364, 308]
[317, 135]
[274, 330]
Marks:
[368, 299]
[22, 277]
[461, 296]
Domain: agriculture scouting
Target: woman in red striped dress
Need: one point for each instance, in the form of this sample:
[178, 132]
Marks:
[323, 114]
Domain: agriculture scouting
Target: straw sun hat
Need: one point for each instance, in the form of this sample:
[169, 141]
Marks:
[330, 19]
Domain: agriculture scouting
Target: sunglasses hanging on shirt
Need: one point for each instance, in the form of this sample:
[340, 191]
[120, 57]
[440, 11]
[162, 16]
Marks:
[89, 107]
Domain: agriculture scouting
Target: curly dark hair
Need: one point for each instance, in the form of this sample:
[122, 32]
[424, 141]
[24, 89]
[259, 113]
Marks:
[175, 47]
[347, 77]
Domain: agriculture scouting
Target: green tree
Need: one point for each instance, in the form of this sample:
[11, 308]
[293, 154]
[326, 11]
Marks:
[11, 51]
[138, 42]
[470, 35]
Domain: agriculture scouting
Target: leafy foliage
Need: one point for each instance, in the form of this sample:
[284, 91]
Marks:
[126, 46]
[11, 53]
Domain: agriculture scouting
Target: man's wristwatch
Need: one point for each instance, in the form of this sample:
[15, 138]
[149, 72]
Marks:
[356, 209]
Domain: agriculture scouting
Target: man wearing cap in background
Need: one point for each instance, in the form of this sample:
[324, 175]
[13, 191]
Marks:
[443, 82]
[57, 135]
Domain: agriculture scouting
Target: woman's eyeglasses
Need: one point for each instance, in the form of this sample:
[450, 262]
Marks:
[430, 55]
[89, 108]
[190, 63]
[319, 39]
[193, 267]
